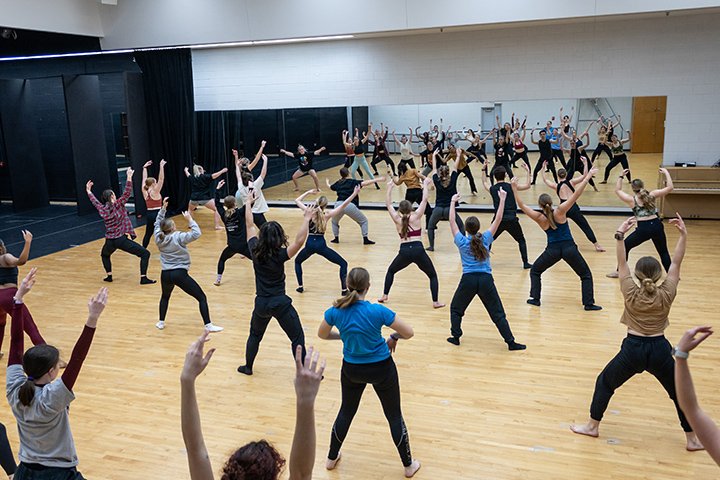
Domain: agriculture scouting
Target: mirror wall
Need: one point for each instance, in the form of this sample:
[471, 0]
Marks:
[318, 127]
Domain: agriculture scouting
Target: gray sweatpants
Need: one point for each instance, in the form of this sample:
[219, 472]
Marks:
[353, 212]
[438, 214]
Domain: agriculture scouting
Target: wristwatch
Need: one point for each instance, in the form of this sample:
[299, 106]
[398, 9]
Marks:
[677, 353]
[395, 336]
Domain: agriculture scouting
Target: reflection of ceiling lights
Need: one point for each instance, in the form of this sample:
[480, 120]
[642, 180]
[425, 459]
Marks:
[8, 34]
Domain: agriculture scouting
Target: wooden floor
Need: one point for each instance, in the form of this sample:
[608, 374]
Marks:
[643, 165]
[474, 411]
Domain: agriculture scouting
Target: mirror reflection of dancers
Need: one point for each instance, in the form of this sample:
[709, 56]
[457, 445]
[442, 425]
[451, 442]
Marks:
[345, 188]
[349, 151]
[502, 153]
[546, 156]
[316, 243]
[647, 307]
[153, 198]
[649, 225]
[201, 191]
[605, 133]
[619, 157]
[247, 184]
[117, 229]
[564, 189]
[407, 156]
[519, 149]
[463, 166]
[304, 158]
[560, 243]
[175, 263]
[445, 187]
[409, 227]
[234, 220]
[269, 250]
[360, 161]
[477, 145]
[509, 222]
[367, 360]
[477, 278]
[380, 153]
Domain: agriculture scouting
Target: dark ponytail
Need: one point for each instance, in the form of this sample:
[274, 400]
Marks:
[545, 202]
[638, 186]
[37, 361]
[358, 281]
[477, 247]
[405, 210]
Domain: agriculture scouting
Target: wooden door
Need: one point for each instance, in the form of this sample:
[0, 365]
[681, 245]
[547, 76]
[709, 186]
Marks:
[648, 124]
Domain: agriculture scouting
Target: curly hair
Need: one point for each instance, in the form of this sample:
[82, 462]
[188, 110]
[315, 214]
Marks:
[254, 461]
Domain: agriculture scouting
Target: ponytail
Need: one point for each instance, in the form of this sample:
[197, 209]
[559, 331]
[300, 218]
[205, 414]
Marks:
[346, 300]
[230, 205]
[166, 227]
[358, 282]
[26, 394]
[37, 362]
[477, 247]
[444, 174]
[545, 202]
[405, 210]
[647, 199]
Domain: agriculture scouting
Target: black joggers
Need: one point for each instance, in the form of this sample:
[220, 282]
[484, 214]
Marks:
[126, 245]
[280, 307]
[554, 252]
[482, 285]
[412, 252]
[515, 230]
[650, 230]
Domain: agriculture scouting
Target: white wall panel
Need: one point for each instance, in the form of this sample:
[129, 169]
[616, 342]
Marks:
[79, 17]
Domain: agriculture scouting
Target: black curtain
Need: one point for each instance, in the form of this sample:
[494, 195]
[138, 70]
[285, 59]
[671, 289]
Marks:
[170, 109]
[213, 153]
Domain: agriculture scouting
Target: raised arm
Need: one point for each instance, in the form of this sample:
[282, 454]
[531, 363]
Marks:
[319, 150]
[249, 222]
[197, 454]
[522, 137]
[263, 171]
[186, 237]
[537, 217]
[365, 137]
[549, 183]
[526, 185]
[308, 375]
[302, 234]
[128, 188]
[575, 181]
[623, 268]
[418, 214]
[299, 200]
[703, 426]
[145, 192]
[219, 172]
[365, 183]
[565, 206]
[219, 204]
[159, 219]
[619, 191]
[161, 176]
[485, 180]
[345, 139]
[286, 153]
[91, 197]
[499, 214]
[258, 155]
[626, 139]
[679, 254]
[17, 337]
[661, 192]
[453, 225]
[187, 172]
[388, 203]
[11, 261]
[337, 210]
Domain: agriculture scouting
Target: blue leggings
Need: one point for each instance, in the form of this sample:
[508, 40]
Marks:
[316, 244]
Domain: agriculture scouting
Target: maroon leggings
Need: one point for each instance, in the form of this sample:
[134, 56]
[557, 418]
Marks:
[6, 307]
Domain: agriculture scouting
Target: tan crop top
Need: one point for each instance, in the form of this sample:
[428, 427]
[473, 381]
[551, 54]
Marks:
[410, 178]
[647, 313]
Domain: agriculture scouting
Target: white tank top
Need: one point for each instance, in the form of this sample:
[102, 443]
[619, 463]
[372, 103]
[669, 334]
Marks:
[406, 151]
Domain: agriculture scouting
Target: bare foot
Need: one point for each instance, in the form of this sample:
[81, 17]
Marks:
[219, 227]
[693, 444]
[331, 464]
[599, 248]
[438, 305]
[590, 429]
[412, 469]
[613, 275]
[383, 299]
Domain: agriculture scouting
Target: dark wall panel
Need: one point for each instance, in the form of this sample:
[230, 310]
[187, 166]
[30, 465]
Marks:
[331, 122]
[87, 136]
[22, 147]
[139, 146]
[359, 119]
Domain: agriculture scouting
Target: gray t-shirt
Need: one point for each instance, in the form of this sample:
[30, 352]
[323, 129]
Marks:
[173, 247]
[44, 425]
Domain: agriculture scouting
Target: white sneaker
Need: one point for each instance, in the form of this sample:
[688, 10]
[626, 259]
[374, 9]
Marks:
[218, 281]
[160, 325]
[213, 328]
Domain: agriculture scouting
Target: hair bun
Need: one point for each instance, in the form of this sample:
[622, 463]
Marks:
[648, 285]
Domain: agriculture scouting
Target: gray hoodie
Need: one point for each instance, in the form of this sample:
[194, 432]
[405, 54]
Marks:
[173, 247]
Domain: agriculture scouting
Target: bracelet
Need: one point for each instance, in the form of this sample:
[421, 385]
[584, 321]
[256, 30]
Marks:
[677, 353]
[395, 336]
[619, 236]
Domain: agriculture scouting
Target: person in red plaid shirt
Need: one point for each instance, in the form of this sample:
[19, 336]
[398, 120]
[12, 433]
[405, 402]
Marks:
[118, 227]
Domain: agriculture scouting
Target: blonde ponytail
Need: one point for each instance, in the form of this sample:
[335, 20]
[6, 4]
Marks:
[545, 202]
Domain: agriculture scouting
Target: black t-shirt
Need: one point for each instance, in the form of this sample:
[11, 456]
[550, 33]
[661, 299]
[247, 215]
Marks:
[501, 153]
[270, 274]
[305, 160]
[444, 194]
[545, 149]
[426, 156]
[510, 212]
[234, 225]
[344, 188]
[358, 149]
[201, 187]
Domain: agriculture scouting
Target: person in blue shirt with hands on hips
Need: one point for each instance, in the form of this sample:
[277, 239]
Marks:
[366, 360]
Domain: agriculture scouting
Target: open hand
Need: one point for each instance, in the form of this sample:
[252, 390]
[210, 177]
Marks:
[130, 173]
[195, 359]
[166, 202]
[688, 341]
[26, 285]
[679, 224]
[308, 374]
[220, 184]
[96, 304]
[27, 236]
[187, 215]
[89, 185]
[163, 163]
[627, 225]
[147, 164]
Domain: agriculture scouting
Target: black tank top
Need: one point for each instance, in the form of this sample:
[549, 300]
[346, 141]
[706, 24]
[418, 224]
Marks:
[8, 275]
[559, 186]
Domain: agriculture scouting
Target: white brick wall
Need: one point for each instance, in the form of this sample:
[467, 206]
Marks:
[677, 56]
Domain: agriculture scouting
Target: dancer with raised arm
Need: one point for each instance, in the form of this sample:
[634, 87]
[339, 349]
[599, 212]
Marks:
[360, 161]
[407, 156]
[304, 158]
[269, 251]
[247, 184]
[153, 199]
[244, 164]
[380, 153]
[707, 432]
[519, 149]
[175, 263]
[463, 165]
[647, 307]
[117, 228]
[316, 236]
[445, 187]
[546, 156]
[618, 156]
[39, 400]
[509, 221]
[409, 226]
[502, 153]
[477, 276]
[234, 220]
[367, 360]
[257, 459]
[564, 188]
[649, 225]
[344, 189]
[477, 145]
[561, 245]
[602, 145]
[202, 192]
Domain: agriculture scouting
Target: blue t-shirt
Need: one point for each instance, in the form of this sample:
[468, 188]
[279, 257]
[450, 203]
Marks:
[471, 264]
[360, 327]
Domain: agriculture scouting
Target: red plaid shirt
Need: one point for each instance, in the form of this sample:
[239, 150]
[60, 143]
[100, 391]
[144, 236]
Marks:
[117, 221]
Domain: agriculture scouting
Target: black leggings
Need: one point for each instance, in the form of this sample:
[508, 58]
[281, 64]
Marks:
[650, 230]
[180, 277]
[517, 156]
[409, 162]
[35, 471]
[469, 175]
[574, 165]
[482, 285]
[550, 166]
[150, 217]
[126, 245]
[229, 252]
[383, 376]
[384, 157]
[412, 252]
[317, 244]
[554, 252]
[637, 355]
[441, 213]
[621, 159]
[575, 214]
[558, 153]
[7, 459]
[515, 230]
[601, 147]
[280, 307]
[259, 219]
